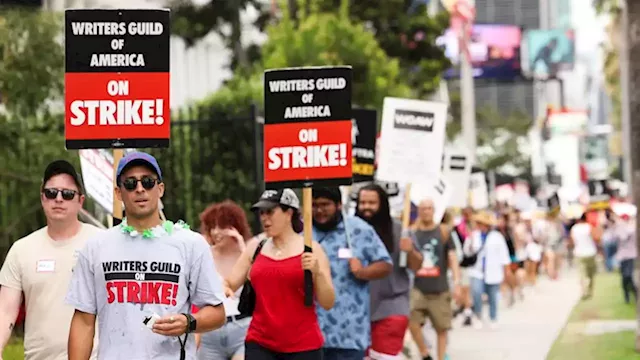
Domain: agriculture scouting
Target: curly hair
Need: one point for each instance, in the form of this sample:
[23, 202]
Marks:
[224, 215]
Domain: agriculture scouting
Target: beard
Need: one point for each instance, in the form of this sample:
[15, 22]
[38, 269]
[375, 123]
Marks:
[331, 224]
[370, 216]
[381, 224]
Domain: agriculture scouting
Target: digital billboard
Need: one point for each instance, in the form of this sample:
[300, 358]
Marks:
[547, 52]
[494, 49]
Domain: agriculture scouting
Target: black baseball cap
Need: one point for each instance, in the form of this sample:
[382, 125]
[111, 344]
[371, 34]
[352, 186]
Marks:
[272, 198]
[58, 167]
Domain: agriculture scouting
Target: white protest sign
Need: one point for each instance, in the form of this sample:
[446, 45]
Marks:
[411, 141]
[457, 171]
[438, 191]
[96, 166]
[478, 191]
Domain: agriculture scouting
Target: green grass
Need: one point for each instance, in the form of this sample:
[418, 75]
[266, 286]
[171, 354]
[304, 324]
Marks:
[607, 304]
[14, 350]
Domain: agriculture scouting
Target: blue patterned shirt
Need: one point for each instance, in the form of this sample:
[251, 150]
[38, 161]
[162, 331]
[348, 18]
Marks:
[347, 324]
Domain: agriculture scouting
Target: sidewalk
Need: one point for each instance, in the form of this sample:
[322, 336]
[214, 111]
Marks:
[527, 330]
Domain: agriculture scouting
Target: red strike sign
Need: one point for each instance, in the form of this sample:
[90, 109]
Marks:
[307, 150]
[101, 106]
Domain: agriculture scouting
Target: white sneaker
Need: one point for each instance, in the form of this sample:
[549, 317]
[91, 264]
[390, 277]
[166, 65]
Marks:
[493, 325]
[477, 324]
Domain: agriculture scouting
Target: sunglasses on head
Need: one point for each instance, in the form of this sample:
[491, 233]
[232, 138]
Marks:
[147, 183]
[53, 193]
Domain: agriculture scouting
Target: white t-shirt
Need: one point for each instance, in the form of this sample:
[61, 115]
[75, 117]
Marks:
[584, 246]
[41, 268]
[493, 257]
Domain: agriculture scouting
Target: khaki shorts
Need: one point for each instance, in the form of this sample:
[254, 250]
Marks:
[437, 307]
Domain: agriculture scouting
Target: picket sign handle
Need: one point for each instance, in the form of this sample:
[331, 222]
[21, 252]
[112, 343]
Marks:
[307, 200]
[406, 217]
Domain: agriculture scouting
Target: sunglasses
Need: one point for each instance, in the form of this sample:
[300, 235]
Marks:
[53, 193]
[147, 183]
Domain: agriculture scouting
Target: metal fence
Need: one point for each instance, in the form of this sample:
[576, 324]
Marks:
[212, 157]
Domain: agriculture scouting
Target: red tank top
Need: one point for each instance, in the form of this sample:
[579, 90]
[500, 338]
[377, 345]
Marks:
[281, 322]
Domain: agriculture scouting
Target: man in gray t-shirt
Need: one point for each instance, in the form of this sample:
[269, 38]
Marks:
[138, 280]
[430, 296]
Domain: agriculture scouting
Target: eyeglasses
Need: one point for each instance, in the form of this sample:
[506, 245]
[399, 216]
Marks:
[52, 194]
[147, 183]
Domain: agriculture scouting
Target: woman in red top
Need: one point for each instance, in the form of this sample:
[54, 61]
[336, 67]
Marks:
[282, 327]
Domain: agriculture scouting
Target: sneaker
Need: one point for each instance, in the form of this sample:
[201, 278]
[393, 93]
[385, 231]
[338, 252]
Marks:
[477, 324]
[493, 325]
[428, 357]
[467, 321]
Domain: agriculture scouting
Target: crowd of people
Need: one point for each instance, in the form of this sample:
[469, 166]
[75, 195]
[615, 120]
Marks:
[154, 289]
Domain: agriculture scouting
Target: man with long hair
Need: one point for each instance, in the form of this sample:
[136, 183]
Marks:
[389, 296]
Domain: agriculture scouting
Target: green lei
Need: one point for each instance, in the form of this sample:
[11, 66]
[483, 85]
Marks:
[166, 228]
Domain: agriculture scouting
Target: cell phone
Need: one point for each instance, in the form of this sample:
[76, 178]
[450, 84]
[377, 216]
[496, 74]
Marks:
[150, 320]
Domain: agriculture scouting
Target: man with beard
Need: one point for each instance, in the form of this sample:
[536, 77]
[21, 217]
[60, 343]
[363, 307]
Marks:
[389, 296]
[356, 255]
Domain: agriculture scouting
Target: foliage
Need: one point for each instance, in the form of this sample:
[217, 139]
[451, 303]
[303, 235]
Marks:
[193, 22]
[405, 32]
[333, 39]
[500, 137]
[31, 132]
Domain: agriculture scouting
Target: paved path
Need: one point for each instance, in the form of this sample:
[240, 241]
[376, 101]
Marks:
[526, 331]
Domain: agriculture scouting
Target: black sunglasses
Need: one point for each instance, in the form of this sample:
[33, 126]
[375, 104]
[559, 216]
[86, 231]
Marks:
[53, 193]
[147, 183]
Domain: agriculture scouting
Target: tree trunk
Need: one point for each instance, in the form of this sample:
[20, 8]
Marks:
[236, 37]
[632, 30]
[293, 11]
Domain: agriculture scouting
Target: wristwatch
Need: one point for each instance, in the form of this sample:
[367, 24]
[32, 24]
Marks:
[191, 323]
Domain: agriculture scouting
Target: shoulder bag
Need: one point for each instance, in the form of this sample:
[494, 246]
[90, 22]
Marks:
[470, 260]
[247, 302]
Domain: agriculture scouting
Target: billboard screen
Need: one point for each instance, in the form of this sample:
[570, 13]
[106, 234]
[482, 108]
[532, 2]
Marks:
[495, 51]
[547, 52]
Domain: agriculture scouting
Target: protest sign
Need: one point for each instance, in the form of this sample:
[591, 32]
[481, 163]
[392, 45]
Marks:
[457, 170]
[117, 78]
[412, 140]
[363, 139]
[96, 166]
[599, 194]
[411, 145]
[307, 127]
[439, 191]
[478, 191]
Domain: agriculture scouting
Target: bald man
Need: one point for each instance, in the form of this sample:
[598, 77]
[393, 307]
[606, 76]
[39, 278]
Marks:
[430, 295]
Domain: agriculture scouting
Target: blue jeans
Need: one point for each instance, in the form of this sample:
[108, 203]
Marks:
[342, 354]
[478, 287]
[610, 249]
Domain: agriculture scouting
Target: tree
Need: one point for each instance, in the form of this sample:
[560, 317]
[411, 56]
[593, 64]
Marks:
[192, 23]
[501, 139]
[31, 130]
[333, 39]
[405, 32]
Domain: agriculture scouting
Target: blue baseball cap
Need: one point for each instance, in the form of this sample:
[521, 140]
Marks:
[137, 158]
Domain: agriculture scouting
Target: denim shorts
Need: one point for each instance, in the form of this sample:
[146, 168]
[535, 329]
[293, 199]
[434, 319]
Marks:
[224, 343]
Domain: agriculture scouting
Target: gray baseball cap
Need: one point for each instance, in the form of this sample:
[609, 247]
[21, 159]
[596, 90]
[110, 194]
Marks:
[273, 198]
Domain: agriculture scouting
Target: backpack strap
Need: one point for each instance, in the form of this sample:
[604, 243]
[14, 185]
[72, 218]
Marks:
[258, 249]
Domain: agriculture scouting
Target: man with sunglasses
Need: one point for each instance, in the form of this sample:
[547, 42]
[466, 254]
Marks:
[40, 267]
[140, 279]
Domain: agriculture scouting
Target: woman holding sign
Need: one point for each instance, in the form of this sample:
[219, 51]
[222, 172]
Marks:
[282, 327]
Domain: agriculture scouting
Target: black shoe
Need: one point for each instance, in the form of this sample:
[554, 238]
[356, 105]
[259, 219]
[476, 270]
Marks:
[428, 357]
[467, 321]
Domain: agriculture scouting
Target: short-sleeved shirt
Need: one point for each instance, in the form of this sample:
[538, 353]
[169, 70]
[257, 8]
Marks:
[123, 279]
[347, 325]
[41, 268]
[431, 278]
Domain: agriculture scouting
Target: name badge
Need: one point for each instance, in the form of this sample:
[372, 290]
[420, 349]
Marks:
[46, 266]
[345, 253]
